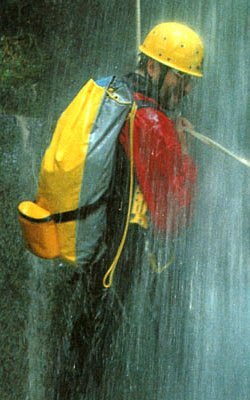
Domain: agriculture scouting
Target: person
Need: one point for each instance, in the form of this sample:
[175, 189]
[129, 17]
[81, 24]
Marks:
[171, 59]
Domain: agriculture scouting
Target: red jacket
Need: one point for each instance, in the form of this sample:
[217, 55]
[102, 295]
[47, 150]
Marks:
[166, 176]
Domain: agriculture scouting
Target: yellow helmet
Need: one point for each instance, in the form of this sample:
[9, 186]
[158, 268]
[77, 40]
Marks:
[175, 45]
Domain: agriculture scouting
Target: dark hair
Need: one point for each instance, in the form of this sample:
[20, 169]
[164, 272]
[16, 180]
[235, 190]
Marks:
[143, 61]
[152, 89]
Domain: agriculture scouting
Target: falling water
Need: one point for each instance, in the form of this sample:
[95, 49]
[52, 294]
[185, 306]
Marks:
[185, 332]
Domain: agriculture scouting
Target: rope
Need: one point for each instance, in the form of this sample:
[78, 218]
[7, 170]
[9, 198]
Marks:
[159, 268]
[218, 146]
[138, 24]
[108, 277]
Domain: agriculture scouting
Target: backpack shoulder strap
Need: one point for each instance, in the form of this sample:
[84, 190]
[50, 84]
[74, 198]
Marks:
[146, 104]
[108, 277]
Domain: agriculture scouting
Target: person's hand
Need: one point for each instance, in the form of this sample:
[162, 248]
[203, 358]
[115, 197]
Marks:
[180, 125]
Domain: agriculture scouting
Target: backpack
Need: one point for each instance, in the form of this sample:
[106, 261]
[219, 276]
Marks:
[68, 218]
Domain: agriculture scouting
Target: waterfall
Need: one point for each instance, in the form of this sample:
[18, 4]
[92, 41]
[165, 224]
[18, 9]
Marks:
[185, 332]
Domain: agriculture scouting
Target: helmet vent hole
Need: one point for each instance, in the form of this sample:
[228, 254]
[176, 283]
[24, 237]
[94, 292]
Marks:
[182, 45]
[160, 54]
[165, 38]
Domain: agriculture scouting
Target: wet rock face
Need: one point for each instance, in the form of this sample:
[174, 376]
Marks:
[13, 277]
[17, 161]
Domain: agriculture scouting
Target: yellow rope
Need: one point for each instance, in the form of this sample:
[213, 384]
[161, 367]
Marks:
[156, 267]
[108, 277]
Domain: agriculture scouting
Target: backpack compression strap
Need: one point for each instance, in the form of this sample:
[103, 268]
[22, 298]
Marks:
[66, 216]
[79, 213]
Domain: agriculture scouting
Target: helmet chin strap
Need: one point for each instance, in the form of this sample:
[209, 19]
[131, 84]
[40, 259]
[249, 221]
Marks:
[163, 73]
[152, 88]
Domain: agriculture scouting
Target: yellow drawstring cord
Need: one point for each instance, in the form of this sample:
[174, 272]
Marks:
[108, 277]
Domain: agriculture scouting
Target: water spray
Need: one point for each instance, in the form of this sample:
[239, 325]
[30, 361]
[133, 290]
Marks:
[218, 146]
